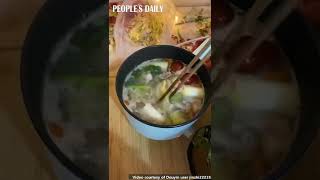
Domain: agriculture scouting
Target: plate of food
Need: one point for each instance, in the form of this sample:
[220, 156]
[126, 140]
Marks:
[181, 25]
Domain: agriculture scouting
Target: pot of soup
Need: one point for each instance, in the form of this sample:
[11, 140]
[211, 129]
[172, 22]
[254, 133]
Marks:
[63, 75]
[145, 76]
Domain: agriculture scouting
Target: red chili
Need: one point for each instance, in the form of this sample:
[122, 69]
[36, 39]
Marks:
[176, 66]
[197, 44]
[194, 79]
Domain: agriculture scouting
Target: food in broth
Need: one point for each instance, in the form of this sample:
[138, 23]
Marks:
[149, 81]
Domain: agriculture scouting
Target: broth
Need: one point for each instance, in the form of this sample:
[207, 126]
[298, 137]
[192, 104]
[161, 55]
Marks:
[149, 81]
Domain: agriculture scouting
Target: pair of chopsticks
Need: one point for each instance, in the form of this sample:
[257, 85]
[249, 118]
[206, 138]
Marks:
[249, 26]
[198, 61]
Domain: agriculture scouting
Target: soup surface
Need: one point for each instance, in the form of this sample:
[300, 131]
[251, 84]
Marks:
[254, 115]
[150, 80]
[74, 99]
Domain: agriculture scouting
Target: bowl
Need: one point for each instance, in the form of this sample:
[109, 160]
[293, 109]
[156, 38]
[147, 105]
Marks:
[147, 129]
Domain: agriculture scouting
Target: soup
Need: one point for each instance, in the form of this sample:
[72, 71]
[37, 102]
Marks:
[149, 81]
[74, 97]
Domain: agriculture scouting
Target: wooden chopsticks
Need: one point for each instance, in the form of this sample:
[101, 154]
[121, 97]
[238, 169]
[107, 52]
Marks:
[264, 31]
[204, 53]
[248, 25]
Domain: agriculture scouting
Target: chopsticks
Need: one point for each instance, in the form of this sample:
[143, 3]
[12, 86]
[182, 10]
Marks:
[192, 40]
[264, 31]
[253, 14]
[274, 20]
[204, 53]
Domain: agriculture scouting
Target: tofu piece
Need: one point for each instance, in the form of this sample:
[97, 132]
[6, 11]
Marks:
[150, 112]
[191, 91]
[148, 77]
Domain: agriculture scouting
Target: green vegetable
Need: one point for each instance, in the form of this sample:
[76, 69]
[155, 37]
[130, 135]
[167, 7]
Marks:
[136, 76]
[204, 26]
[137, 73]
[153, 69]
[162, 64]
[177, 98]
[197, 18]
[139, 88]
